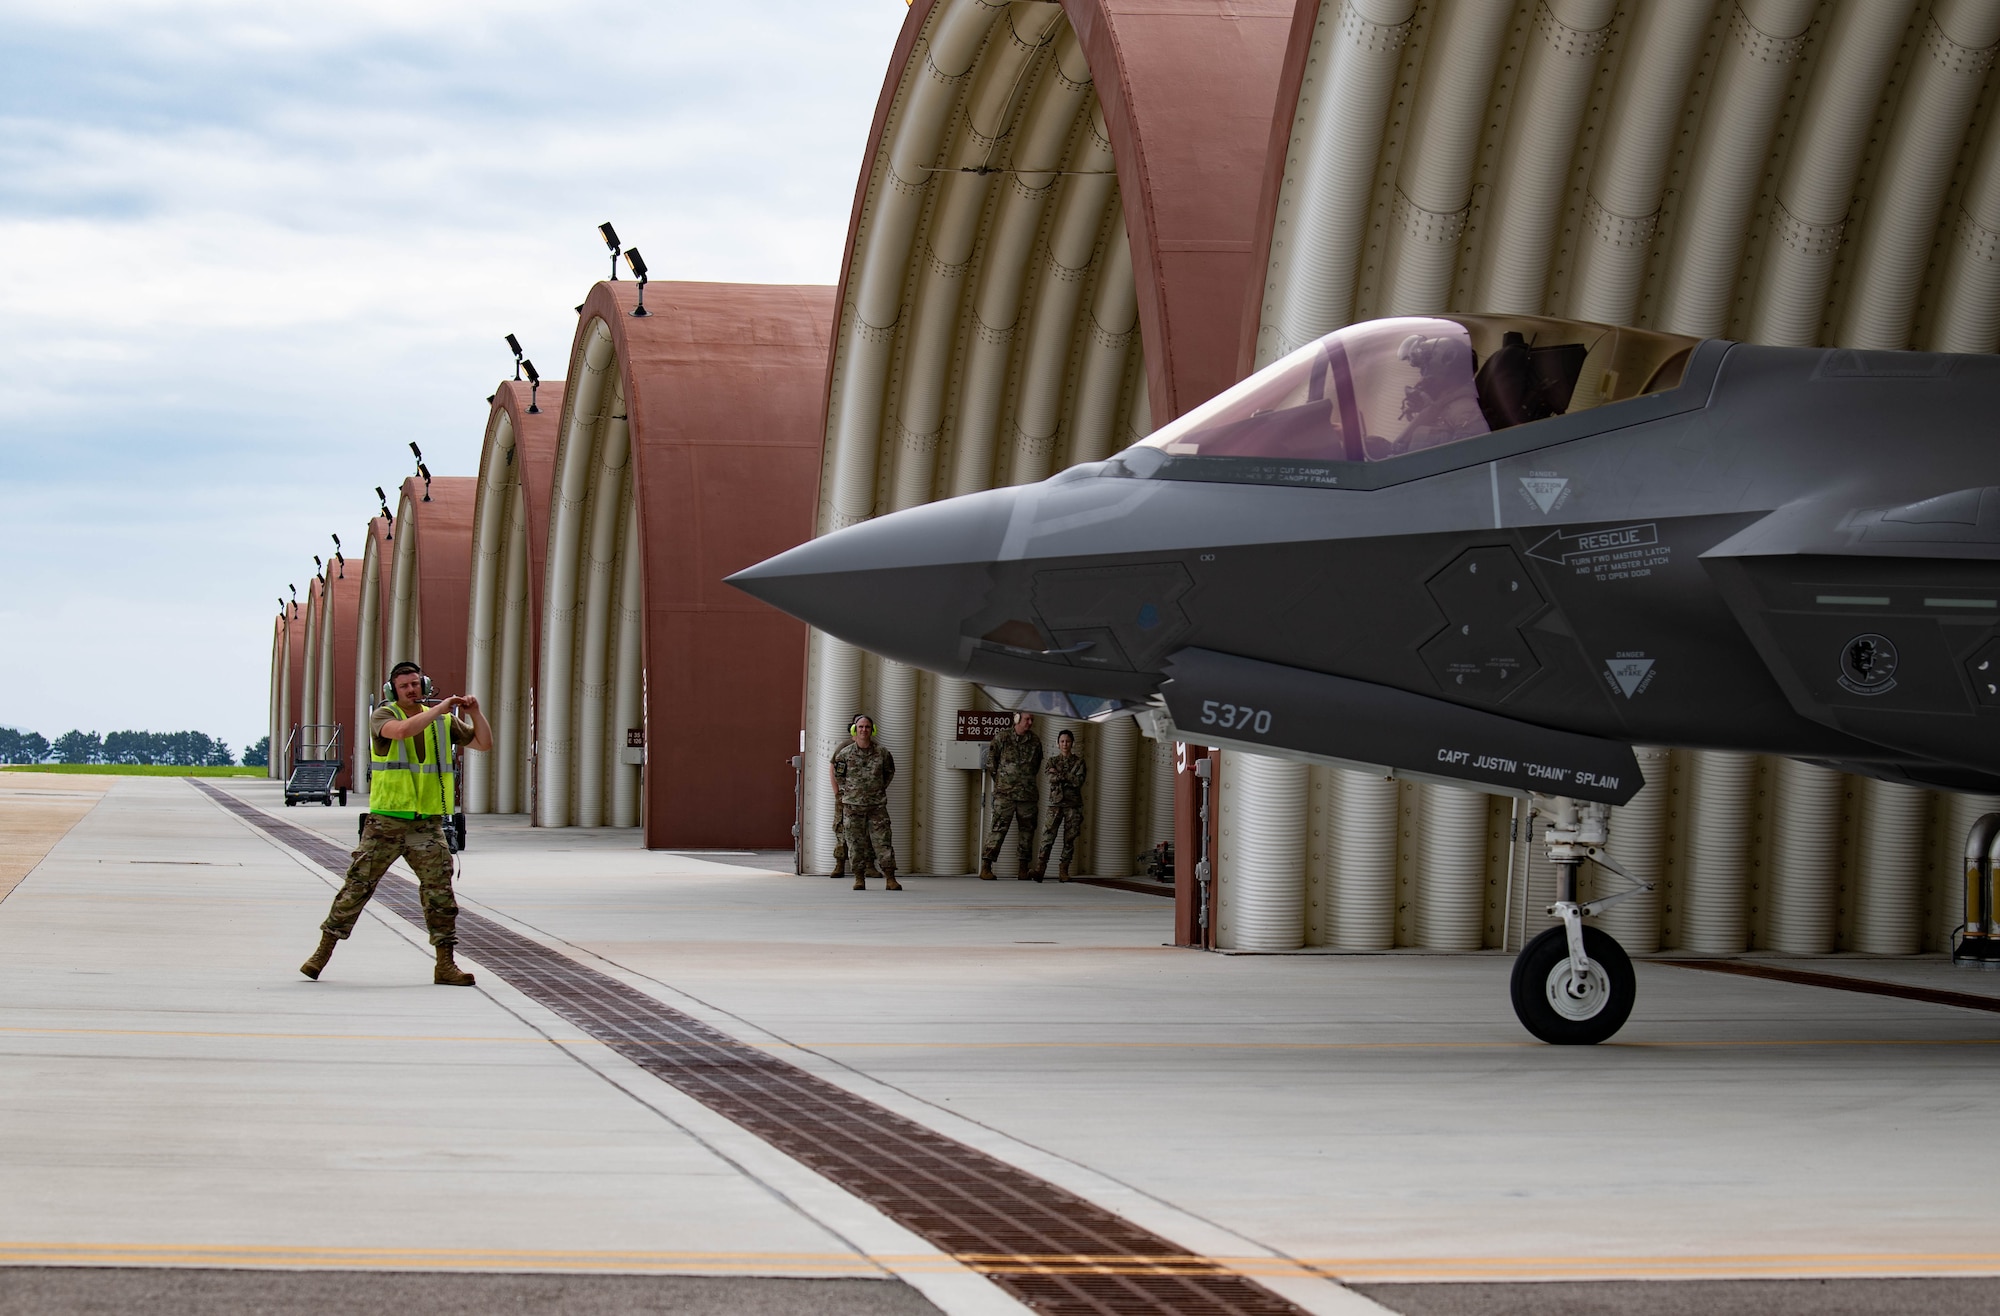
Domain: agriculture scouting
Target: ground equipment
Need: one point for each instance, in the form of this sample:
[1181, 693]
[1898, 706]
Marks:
[313, 764]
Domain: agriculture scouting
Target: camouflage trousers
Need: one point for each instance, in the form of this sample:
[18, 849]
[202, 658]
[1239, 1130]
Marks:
[864, 857]
[383, 841]
[1008, 811]
[1069, 821]
[864, 831]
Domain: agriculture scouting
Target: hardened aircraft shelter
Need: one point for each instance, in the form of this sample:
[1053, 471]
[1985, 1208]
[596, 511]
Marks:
[1050, 253]
[430, 578]
[1778, 172]
[281, 686]
[412, 601]
[328, 702]
[509, 532]
[686, 449]
[288, 678]
[371, 607]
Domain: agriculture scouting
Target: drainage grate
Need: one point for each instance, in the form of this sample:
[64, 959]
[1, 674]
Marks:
[1045, 1245]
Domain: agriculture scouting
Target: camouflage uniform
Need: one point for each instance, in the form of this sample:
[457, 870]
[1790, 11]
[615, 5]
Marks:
[841, 841]
[1066, 775]
[383, 840]
[1016, 762]
[863, 776]
[862, 859]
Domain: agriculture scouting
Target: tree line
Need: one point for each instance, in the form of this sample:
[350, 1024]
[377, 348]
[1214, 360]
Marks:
[183, 749]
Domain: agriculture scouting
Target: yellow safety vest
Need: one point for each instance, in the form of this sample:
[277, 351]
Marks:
[398, 784]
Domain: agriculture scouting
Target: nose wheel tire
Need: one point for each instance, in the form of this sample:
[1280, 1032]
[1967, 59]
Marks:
[1549, 1004]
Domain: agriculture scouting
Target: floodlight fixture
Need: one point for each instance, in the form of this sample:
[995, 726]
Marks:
[638, 264]
[387, 515]
[514, 346]
[339, 558]
[610, 235]
[423, 471]
[295, 599]
[319, 567]
[534, 387]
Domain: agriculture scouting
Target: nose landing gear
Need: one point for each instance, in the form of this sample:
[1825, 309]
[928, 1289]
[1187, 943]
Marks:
[1573, 985]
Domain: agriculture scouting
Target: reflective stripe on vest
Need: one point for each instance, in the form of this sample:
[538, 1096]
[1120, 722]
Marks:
[398, 784]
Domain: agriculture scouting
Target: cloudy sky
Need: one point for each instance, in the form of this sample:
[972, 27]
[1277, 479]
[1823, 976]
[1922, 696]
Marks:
[248, 252]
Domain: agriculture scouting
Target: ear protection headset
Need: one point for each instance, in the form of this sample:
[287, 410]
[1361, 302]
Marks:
[403, 669]
[854, 723]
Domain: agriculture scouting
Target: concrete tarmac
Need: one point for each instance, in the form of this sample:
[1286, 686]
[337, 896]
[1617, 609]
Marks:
[178, 1096]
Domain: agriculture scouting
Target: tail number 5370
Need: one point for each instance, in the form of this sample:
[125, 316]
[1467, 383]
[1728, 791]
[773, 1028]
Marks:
[1235, 717]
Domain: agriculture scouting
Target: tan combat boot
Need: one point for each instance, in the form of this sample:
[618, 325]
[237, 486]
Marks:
[448, 973]
[1062, 872]
[893, 884]
[860, 879]
[311, 968]
[839, 866]
[986, 870]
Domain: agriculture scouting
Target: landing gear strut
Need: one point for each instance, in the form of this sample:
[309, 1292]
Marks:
[1573, 985]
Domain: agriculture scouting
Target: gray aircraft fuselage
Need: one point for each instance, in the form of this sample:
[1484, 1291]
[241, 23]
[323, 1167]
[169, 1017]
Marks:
[1793, 551]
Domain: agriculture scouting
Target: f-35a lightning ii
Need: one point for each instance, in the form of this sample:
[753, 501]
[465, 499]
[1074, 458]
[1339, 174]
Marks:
[1498, 551]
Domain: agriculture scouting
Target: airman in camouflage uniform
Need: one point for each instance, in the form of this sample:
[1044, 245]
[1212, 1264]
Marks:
[411, 791]
[1015, 763]
[1066, 772]
[862, 772]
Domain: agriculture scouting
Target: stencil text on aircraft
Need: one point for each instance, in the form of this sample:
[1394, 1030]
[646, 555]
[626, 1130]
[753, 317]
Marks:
[1620, 553]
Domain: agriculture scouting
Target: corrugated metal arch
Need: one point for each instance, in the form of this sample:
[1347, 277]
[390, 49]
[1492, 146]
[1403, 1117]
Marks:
[1778, 171]
[1048, 251]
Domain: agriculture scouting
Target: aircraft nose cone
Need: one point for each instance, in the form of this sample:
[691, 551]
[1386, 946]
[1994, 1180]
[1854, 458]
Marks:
[899, 585]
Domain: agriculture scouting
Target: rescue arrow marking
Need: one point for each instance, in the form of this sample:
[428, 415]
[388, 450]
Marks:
[1586, 542]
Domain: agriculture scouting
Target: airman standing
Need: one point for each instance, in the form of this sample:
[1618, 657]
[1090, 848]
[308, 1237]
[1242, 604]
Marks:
[1015, 763]
[1066, 771]
[412, 790]
[862, 771]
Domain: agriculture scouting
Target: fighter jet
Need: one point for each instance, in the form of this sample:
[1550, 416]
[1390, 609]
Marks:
[1499, 551]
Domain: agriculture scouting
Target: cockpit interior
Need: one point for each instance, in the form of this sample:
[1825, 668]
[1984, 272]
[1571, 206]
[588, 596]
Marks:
[1382, 389]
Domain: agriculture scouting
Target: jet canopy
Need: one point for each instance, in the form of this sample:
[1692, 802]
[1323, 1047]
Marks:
[1383, 389]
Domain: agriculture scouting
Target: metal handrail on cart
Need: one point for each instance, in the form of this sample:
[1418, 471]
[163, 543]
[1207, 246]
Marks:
[312, 763]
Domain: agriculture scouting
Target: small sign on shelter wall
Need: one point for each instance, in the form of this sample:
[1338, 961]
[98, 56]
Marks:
[979, 724]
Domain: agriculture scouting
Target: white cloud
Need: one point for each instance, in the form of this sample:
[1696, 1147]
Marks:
[248, 253]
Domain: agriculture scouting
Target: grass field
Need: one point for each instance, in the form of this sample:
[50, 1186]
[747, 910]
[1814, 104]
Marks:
[133, 770]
